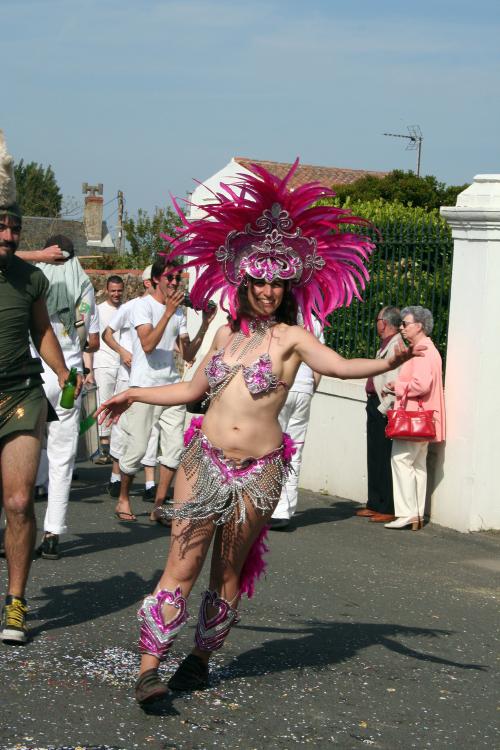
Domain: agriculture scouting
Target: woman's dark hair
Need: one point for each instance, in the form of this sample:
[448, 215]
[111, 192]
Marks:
[286, 312]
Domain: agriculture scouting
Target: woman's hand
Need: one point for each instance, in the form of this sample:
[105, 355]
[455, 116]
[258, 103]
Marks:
[110, 411]
[402, 354]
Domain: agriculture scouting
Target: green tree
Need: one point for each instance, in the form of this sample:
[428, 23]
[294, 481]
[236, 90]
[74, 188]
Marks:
[401, 187]
[144, 233]
[143, 236]
[38, 193]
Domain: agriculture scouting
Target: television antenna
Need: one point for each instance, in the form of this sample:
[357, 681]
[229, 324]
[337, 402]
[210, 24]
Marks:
[415, 139]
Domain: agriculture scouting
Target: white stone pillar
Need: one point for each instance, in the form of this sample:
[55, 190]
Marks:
[466, 493]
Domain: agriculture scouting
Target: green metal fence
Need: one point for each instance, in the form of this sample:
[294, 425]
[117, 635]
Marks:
[411, 265]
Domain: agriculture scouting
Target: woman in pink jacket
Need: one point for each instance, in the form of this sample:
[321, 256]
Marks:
[419, 379]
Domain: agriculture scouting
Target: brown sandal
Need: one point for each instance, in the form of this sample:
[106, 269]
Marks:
[122, 515]
[149, 687]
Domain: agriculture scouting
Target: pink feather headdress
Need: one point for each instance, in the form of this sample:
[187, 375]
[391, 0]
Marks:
[259, 227]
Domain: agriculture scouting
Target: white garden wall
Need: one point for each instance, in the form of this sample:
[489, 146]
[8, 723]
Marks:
[334, 459]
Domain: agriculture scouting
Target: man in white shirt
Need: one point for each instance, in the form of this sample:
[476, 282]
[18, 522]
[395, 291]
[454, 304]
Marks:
[294, 419]
[159, 326]
[71, 307]
[106, 362]
[118, 336]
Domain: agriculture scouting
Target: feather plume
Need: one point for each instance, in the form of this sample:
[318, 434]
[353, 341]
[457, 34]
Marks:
[339, 273]
[7, 179]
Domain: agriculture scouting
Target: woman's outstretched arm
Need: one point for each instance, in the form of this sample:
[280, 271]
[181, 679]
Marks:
[326, 361]
[163, 395]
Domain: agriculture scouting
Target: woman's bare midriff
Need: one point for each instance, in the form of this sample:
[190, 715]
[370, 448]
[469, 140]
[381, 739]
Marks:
[242, 425]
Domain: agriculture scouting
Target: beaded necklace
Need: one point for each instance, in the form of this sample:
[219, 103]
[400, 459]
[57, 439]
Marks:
[258, 328]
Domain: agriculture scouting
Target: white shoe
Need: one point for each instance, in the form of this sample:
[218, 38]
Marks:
[403, 521]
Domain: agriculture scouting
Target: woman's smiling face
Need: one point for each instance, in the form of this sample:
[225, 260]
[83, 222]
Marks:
[265, 297]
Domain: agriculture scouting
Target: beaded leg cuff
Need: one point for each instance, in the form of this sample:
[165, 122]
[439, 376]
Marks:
[157, 636]
[211, 632]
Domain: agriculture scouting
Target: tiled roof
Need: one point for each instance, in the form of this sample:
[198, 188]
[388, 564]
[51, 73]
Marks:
[36, 229]
[309, 173]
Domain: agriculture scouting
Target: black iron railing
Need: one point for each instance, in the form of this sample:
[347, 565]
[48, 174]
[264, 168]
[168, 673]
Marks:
[411, 265]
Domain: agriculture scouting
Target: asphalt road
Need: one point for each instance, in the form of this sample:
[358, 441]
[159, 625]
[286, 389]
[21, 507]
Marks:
[358, 636]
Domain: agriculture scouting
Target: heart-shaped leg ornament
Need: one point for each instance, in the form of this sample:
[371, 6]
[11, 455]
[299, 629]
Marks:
[211, 632]
[156, 635]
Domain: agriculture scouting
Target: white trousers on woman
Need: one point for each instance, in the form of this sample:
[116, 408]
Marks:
[294, 419]
[58, 458]
[409, 477]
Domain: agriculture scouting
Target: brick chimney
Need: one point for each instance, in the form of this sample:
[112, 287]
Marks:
[92, 211]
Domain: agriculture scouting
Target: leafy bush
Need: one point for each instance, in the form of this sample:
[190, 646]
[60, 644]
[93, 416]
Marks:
[401, 187]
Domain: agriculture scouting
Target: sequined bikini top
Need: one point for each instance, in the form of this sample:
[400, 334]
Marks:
[258, 376]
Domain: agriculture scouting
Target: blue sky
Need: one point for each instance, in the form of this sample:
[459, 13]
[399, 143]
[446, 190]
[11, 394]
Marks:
[144, 95]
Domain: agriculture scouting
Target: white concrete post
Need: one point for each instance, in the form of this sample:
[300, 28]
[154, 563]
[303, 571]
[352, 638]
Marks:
[466, 493]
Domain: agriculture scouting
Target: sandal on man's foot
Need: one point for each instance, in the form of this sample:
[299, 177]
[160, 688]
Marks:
[192, 674]
[149, 687]
[122, 515]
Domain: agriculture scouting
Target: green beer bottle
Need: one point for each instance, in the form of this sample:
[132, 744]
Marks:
[68, 392]
[86, 424]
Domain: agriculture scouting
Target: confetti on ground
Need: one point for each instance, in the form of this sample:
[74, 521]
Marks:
[63, 747]
[333, 660]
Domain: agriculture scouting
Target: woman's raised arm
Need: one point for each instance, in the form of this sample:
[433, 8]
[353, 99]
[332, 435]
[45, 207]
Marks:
[163, 395]
[326, 361]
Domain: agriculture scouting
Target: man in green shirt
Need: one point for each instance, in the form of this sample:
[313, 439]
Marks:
[23, 406]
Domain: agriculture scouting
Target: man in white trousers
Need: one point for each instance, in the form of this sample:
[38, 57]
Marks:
[106, 361]
[71, 306]
[294, 419]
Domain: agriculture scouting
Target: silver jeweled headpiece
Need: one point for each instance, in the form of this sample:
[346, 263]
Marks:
[269, 250]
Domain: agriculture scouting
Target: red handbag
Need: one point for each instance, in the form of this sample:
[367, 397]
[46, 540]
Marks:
[410, 425]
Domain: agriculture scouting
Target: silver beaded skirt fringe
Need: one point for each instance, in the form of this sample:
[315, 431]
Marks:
[222, 485]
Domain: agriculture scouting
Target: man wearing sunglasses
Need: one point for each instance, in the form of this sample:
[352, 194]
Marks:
[158, 326]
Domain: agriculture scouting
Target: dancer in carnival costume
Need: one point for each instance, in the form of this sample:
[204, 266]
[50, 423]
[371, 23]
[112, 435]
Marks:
[268, 250]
